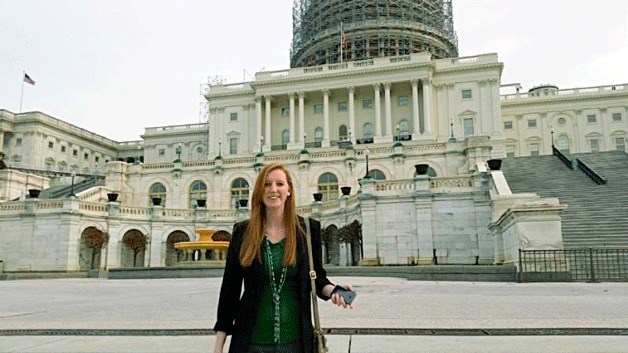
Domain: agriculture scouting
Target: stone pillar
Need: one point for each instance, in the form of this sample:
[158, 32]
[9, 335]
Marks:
[267, 137]
[351, 114]
[387, 112]
[291, 97]
[369, 224]
[423, 215]
[606, 143]
[258, 117]
[325, 118]
[378, 113]
[416, 131]
[302, 118]
[427, 102]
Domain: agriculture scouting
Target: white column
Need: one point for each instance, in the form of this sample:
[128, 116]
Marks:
[606, 144]
[387, 112]
[301, 118]
[291, 96]
[415, 109]
[258, 117]
[325, 118]
[378, 113]
[351, 114]
[267, 141]
[427, 114]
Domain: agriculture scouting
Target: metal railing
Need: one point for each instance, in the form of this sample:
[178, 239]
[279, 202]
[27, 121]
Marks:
[578, 265]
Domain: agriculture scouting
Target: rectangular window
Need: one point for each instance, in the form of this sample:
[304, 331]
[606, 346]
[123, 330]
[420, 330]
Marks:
[86, 156]
[468, 126]
[96, 158]
[620, 144]
[591, 118]
[531, 123]
[367, 104]
[285, 111]
[595, 145]
[402, 101]
[233, 117]
[75, 153]
[508, 125]
[62, 148]
[18, 141]
[318, 109]
[233, 145]
[162, 152]
[342, 106]
[616, 117]
[510, 151]
[51, 144]
[466, 94]
[534, 149]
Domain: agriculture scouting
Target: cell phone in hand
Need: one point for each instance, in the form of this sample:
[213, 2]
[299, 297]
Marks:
[347, 295]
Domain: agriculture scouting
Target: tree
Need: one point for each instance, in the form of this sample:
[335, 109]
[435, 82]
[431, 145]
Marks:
[137, 242]
[95, 241]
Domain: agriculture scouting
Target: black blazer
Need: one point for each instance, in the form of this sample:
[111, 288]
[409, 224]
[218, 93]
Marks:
[236, 314]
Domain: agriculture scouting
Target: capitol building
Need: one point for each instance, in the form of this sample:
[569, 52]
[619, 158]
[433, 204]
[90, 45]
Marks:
[394, 145]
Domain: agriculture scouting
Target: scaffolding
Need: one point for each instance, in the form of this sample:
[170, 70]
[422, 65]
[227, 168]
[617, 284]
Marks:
[332, 31]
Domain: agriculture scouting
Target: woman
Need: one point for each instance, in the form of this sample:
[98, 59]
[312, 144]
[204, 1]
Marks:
[268, 254]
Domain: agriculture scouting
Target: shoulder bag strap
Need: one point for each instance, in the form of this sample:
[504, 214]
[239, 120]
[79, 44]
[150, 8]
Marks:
[317, 320]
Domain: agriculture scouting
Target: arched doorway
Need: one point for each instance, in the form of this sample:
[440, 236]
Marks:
[133, 249]
[90, 249]
[173, 256]
[351, 235]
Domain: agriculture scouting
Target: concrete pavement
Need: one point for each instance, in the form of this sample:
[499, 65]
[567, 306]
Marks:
[141, 309]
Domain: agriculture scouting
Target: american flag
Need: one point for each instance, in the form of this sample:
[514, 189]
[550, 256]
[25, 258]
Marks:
[28, 79]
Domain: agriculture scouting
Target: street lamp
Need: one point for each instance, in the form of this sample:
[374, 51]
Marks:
[261, 144]
[397, 138]
[366, 153]
[139, 154]
[552, 133]
[219, 147]
[72, 187]
[178, 152]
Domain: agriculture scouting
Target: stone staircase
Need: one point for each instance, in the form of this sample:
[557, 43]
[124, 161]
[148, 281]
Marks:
[596, 215]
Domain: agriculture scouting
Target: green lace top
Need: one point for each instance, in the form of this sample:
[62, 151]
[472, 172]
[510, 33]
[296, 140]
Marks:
[277, 326]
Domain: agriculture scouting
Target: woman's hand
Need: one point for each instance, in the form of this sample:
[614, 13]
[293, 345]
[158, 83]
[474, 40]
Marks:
[221, 337]
[339, 300]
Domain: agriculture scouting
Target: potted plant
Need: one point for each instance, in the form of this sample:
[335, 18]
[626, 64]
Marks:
[112, 197]
[201, 202]
[318, 196]
[243, 202]
[33, 193]
[156, 201]
[421, 169]
[494, 164]
[346, 190]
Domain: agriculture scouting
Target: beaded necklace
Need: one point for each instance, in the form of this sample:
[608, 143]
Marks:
[276, 289]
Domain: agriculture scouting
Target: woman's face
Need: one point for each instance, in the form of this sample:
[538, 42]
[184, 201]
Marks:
[276, 189]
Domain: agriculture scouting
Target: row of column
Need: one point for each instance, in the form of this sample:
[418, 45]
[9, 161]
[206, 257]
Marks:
[264, 131]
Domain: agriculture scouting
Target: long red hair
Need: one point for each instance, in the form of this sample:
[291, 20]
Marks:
[254, 233]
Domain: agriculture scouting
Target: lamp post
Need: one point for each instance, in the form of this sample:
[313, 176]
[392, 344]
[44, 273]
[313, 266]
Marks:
[397, 137]
[139, 154]
[366, 153]
[261, 144]
[72, 187]
[552, 134]
[178, 152]
[220, 148]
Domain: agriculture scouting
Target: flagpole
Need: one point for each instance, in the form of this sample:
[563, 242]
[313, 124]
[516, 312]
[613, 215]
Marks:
[22, 94]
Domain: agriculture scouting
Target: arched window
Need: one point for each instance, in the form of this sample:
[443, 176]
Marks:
[198, 191]
[285, 137]
[342, 133]
[157, 190]
[239, 190]
[328, 186]
[430, 172]
[562, 143]
[368, 132]
[318, 134]
[377, 174]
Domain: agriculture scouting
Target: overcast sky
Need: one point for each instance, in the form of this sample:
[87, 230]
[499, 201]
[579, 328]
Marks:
[116, 67]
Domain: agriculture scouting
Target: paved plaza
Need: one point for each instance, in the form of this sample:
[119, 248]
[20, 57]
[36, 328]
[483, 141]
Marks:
[176, 315]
